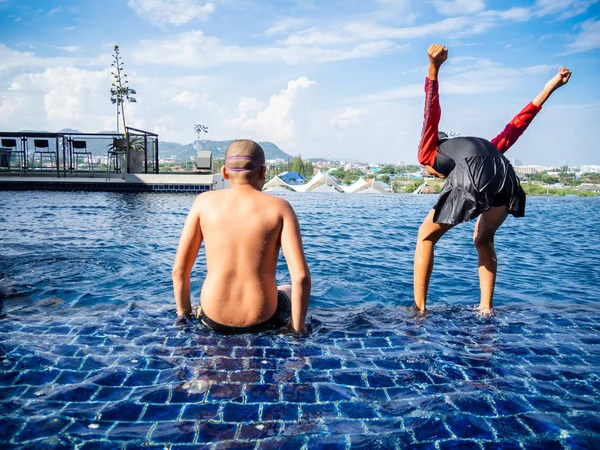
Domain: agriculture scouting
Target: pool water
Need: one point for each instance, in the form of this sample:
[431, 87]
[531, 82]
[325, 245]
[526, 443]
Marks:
[91, 354]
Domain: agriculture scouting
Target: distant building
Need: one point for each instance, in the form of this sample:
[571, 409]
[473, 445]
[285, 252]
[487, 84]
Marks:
[292, 178]
[590, 169]
[528, 170]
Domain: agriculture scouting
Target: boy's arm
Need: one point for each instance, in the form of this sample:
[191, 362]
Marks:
[189, 244]
[521, 121]
[431, 118]
[291, 245]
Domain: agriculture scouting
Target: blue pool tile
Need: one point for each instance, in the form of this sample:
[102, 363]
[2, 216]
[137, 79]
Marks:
[333, 393]
[123, 412]
[229, 364]
[313, 376]
[466, 426]
[241, 352]
[352, 410]
[473, 405]
[547, 404]
[174, 432]
[368, 442]
[262, 393]
[459, 444]
[502, 445]
[299, 393]
[345, 426]
[157, 413]
[91, 363]
[427, 428]
[233, 412]
[349, 378]
[327, 442]
[543, 424]
[152, 394]
[9, 427]
[123, 431]
[325, 363]
[69, 363]
[543, 444]
[380, 426]
[286, 412]
[319, 411]
[214, 432]
[585, 422]
[280, 353]
[158, 364]
[81, 393]
[285, 443]
[114, 378]
[302, 428]
[379, 380]
[245, 376]
[580, 441]
[371, 394]
[38, 377]
[82, 411]
[256, 431]
[511, 404]
[141, 378]
[179, 396]
[307, 350]
[41, 428]
[81, 429]
[197, 411]
[279, 376]
[111, 394]
[508, 428]
[396, 408]
[8, 378]
[225, 392]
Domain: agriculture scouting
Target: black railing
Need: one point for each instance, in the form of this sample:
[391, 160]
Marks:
[25, 147]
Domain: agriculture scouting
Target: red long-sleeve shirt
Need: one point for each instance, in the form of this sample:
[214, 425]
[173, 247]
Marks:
[429, 134]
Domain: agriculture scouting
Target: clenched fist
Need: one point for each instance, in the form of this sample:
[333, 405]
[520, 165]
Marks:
[560, 79]
[437, 54]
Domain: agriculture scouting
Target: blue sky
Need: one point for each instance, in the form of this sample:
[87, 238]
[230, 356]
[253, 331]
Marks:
[338, 77]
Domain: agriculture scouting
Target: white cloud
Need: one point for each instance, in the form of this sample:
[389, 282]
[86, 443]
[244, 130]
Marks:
[284, 24]
[465, 75]
[458, 7]
[276, 121]
[587, 39]
[348, 117]
[194, 49]
[171, 12]
[568, 8]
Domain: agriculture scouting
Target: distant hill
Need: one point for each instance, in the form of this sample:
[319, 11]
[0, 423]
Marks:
[99, 146]
[217, 147]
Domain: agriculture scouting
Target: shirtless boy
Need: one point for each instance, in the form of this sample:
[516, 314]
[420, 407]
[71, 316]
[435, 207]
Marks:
[243, 230]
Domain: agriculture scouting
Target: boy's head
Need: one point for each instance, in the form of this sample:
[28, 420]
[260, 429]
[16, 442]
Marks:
[245, 162]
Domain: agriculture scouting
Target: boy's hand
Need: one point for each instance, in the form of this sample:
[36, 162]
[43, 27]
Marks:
[560, 79]
[437, 55]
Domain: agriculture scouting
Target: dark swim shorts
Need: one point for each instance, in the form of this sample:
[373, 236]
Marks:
[281, 318]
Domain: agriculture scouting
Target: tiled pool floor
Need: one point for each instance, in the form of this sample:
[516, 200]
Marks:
[113, 378]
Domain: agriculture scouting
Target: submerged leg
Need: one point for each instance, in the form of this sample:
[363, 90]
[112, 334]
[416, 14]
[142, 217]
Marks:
[429, 233]
[485, 229]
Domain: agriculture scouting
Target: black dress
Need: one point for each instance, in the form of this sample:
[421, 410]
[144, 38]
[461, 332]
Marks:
[479, 177]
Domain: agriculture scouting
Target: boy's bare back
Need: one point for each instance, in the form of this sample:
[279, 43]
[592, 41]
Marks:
[243, 230]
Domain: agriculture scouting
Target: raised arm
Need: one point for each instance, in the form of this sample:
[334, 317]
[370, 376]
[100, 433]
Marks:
[431, 118]
[291, 245]
[521, 121]
[189, 244]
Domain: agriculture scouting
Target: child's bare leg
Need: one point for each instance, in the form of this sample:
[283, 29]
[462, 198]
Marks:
[485, 229]
[429, 233]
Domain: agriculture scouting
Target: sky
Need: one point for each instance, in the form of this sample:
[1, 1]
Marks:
[331, 78]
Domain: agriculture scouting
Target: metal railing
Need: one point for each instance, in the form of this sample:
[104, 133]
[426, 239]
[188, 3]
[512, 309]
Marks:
[61, 154]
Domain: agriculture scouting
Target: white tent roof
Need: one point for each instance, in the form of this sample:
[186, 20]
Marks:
[279, 189]
[355, 186]
[320, 179]
[276, 182]
[372, 187]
